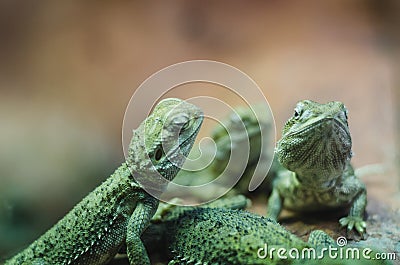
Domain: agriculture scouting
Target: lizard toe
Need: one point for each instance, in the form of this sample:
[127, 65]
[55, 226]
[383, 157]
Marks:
[344, 221]
[354, 222]
[360, 227]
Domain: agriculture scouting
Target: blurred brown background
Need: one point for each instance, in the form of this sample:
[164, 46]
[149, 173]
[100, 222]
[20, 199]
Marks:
[68, 70]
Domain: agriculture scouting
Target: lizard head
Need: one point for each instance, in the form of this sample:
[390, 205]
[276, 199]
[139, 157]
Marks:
[316, 141]
[162, 142]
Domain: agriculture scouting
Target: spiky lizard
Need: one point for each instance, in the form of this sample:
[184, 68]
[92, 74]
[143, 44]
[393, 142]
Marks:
[222, 233]
[243, 127]
[120, 208]
[315, 149]
[240, 125]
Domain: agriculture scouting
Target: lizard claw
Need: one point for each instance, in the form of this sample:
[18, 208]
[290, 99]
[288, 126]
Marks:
[354, 222]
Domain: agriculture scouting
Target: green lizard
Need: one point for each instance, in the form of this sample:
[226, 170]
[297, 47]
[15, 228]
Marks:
[242, 129]
[315, 148]
[221, 233]
[120, 209]
[216, 234]
[230, 135]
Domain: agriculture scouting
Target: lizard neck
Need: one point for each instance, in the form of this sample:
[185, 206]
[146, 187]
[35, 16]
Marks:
[154, 185]
[120, 184]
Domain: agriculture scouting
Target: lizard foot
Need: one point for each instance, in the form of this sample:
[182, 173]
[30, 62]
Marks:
[354, 222]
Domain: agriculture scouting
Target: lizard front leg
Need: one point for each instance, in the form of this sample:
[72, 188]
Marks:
[284, 185]
[355, 219]
[353, 189]
[137, 223]
[274, 205]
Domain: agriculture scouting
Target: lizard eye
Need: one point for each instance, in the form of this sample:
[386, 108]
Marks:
[158, 153]
[182, 122]
[299, 109]
[297, 114]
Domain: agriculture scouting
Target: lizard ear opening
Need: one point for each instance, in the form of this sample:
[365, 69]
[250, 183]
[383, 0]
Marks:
[158, 154]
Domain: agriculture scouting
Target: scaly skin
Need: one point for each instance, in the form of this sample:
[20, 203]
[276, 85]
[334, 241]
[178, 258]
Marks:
[120, 209]
[212, 235]
[316, 149]
[219, 233]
